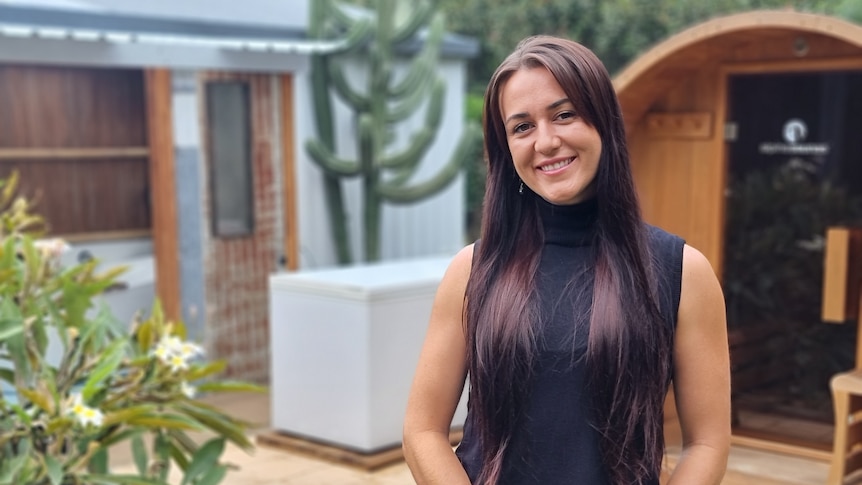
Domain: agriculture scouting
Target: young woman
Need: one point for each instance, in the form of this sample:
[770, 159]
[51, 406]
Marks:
[570, 316]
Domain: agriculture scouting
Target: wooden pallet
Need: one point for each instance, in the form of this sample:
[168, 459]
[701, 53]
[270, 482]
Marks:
[338, 455]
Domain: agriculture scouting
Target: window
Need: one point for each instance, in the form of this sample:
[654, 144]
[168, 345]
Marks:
[229, 129]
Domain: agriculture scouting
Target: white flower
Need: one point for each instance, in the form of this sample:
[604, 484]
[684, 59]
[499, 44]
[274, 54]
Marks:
[167, 347]
[83, 413]
[51, 248]
[189, 350]
[187, 390]
[178, 363]
[176, 353]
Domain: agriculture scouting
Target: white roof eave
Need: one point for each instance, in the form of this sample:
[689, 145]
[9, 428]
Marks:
[303, 47]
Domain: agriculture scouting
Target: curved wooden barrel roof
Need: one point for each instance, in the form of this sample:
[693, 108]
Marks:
[734, 38]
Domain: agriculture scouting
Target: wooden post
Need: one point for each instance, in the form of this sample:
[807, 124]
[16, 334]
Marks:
[163, 190]
[840, 281]
[288, 174]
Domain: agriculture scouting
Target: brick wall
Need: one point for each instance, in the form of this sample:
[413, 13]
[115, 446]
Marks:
[237, 268]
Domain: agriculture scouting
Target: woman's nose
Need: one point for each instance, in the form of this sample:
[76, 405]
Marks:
[547, 141]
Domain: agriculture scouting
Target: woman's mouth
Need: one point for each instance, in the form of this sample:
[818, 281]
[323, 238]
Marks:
[556, 166]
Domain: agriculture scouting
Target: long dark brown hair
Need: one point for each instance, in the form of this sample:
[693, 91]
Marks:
[628, 357]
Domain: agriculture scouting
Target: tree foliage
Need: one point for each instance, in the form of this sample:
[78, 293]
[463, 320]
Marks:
[59, 420]
[616, 30]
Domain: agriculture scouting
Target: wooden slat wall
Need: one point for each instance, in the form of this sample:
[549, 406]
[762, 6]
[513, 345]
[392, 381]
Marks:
[78, 138]
[86, 196]
[680, 180]
[52, 107]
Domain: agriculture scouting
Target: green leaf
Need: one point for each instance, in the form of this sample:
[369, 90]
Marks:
[219, 423]
[108, 365]
[139, 452]
[215, 367]
[115, 438]
[178, 456]
[10, 328]
[7, 375]
[162, 451]
[22, 415]
[185, 442]
[111, 479]
[165, 421]
[230, 386]
[206, 458]
[16, 344]
[99, 461]
[39, 398]
[55, 470]
[31, 257]
[124, 415]
[145, 336]
[214, 476]
[9, 469]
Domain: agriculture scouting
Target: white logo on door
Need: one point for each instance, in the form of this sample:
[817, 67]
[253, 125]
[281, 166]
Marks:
[795, 131]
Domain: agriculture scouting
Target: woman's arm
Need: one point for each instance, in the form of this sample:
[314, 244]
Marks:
[438, 383]
[701, 375]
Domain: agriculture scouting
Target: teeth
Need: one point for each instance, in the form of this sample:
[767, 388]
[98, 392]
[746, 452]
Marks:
[558, 165]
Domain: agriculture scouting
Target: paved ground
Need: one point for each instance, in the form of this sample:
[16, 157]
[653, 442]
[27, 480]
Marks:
[269, 466]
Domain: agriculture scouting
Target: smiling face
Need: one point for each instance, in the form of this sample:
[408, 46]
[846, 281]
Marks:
[555, 151]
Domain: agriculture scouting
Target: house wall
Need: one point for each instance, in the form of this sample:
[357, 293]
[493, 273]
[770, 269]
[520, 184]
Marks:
[190, 172]
[222, 283]
[264, 13]
[434, 226]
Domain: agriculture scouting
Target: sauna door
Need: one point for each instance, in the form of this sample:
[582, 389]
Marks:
[794, 168]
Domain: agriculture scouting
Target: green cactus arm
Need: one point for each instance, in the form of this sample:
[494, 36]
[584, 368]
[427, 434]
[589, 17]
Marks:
[367, 132]
[350, 32]
[400, 194]
[317, 21]
[423, 66]
[419, 18]
[407, 159]
[407, 107]
[420, 70]
[356, 36]
[350, 96]
[328, 162]
[336, 13]
[409, 156]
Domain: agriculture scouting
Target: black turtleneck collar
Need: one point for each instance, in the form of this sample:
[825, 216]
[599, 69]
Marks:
[568, 225]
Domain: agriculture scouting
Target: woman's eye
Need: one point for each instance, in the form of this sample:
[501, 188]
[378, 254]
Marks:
[520, 128]
[566, 115]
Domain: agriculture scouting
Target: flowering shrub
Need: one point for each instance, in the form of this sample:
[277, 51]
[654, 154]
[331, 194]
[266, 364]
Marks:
[58, 421]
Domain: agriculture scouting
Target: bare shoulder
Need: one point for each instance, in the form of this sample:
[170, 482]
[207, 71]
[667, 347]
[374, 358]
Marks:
[695, 264]
[702, 300]
[701, 303]
[459, 268]
[698, 275]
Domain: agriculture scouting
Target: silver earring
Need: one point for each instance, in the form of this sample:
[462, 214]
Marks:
[521, 188]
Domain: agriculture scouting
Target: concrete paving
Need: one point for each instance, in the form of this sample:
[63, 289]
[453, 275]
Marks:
[270, 466]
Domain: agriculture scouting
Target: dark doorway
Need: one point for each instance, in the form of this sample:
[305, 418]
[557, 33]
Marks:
[795, 169]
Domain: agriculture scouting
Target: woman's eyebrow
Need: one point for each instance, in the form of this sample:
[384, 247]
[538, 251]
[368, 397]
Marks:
[556, 104]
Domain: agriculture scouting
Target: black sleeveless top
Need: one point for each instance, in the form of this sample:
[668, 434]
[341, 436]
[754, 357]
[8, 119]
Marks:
[556, 444]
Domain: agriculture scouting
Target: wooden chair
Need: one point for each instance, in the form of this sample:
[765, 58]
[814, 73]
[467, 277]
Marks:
[847, 447]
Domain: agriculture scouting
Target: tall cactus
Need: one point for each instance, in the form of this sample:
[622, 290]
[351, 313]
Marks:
[386, 101]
